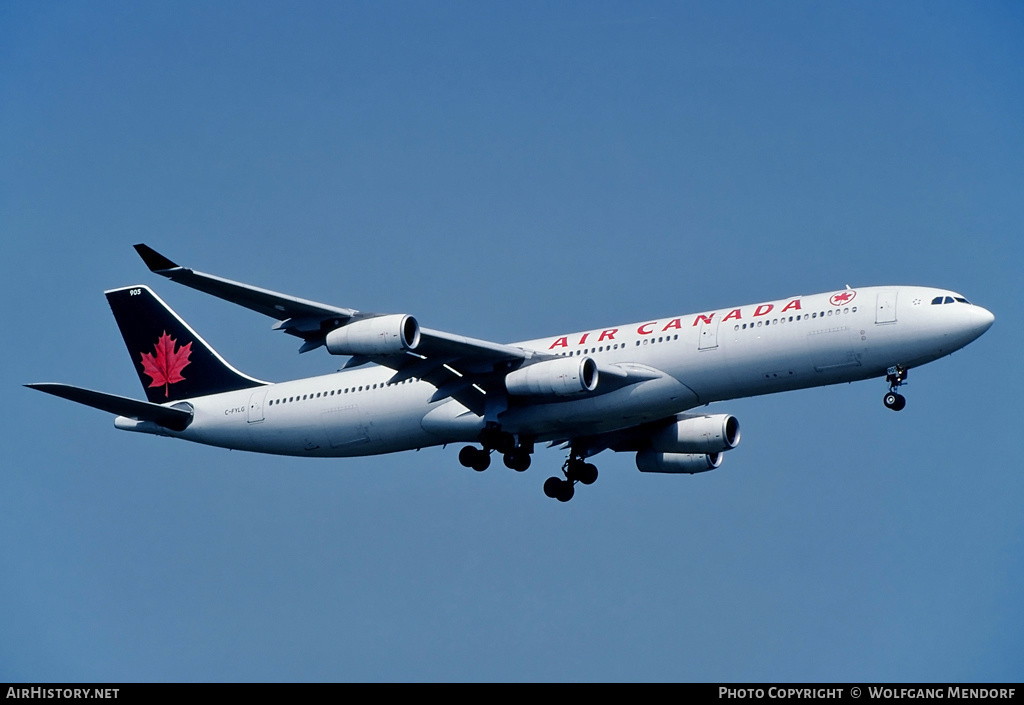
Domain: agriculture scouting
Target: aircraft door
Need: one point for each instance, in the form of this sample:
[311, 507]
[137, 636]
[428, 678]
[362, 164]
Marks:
[708, 335]
[885, 309]
[256, 405]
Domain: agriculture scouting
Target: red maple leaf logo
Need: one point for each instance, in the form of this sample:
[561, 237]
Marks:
[166, 364]
[842, 298]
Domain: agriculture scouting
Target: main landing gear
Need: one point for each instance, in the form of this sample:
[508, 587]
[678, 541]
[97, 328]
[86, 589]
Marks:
[479, 459]
[895, 377]
[517, 457]
[575, 469]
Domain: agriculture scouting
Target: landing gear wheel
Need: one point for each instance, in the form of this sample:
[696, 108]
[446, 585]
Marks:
[483, 460]
[517, 459]
[566, 492]
[895, 376]
[553, 487]
[562, 490]
[894, 401]
[577, 469]
[473, 457]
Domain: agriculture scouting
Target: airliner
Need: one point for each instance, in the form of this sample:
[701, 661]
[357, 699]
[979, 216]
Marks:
[633, 388]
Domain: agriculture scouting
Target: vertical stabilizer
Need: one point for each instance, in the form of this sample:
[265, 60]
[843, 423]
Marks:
[172, 361]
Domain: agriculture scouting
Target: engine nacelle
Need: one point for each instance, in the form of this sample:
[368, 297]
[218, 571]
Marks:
[561, 378]
[699, 434]
[677, 463]
[384, 335]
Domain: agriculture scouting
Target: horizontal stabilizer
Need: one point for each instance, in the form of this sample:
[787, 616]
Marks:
[168, 417]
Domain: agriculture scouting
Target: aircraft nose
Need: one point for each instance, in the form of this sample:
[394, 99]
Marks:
[981, 320]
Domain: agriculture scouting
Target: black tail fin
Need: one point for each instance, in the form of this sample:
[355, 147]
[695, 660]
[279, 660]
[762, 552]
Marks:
[172, 361]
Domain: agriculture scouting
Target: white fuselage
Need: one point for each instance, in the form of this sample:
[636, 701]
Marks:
[679, 363]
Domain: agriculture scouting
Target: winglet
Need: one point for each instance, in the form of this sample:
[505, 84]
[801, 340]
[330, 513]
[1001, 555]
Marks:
[153, 259]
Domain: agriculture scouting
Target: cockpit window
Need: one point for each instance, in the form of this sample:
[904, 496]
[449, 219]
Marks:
[949, 300]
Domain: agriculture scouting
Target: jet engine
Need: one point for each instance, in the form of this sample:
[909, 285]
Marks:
[383, 335]
[698, 434]
[677, 463]
[562, 377]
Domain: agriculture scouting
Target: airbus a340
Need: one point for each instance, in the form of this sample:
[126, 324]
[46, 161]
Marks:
[627, 388]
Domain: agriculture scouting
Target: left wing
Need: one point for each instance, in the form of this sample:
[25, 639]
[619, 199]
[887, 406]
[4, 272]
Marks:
[463, 368]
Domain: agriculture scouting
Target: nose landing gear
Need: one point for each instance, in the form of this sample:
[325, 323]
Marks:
[895, 376]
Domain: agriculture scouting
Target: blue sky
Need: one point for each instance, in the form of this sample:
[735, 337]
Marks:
[509, 171]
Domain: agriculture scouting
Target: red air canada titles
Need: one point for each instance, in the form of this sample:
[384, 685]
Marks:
[654, 327]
